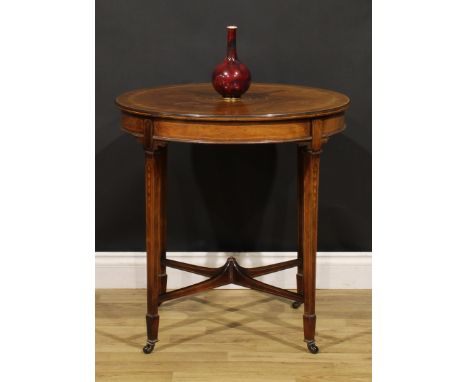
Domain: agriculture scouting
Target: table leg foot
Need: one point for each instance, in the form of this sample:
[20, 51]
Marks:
[152, 326]
[313, 348]
[149, 347]
[296, 304]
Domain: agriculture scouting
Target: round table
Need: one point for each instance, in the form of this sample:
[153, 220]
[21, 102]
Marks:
[267, 113]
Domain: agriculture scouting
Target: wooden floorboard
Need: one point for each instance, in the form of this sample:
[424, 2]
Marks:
[233, 335]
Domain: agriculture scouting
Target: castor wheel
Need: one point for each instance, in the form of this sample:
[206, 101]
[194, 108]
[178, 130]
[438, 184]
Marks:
[296, 304]
[312, 347]
[149, 347]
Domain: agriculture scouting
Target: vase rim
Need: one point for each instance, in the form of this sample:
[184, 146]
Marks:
[232, 27]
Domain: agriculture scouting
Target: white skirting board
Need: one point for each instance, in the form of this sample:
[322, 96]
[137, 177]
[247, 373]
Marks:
[335, 270]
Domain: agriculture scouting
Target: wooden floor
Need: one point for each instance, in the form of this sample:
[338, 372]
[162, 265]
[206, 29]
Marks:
[233, 335]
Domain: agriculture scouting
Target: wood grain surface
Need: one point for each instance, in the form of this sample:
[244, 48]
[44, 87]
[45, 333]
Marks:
[262, 102]
[233, 335]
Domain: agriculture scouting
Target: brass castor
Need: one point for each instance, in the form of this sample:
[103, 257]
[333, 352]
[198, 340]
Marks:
[149, 347]
[296, 304]
[312, 347]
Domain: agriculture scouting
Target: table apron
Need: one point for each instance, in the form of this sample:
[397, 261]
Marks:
[232, 132]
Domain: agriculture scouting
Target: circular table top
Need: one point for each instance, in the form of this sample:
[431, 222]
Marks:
[261, 102]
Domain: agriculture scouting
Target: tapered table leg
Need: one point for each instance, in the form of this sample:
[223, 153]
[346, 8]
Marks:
[154, 185]
[299, 274]
[310, 187]
[163, 275]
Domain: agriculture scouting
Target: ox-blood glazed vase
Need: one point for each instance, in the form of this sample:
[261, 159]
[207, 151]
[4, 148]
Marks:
[231, 78]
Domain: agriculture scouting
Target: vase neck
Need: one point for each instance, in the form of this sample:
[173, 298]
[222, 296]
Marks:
[231, 43]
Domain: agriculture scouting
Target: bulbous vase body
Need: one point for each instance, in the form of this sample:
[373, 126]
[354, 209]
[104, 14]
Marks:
[231, 78]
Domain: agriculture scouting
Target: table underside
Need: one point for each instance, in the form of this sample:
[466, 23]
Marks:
[231, 272]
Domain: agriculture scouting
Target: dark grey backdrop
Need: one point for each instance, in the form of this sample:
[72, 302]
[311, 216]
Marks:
[233, 198]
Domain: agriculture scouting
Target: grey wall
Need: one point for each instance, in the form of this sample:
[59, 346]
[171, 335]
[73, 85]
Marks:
[233, 198]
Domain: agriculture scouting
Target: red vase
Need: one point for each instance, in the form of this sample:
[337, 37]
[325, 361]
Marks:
[231, 78]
